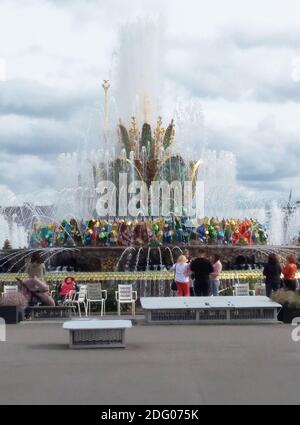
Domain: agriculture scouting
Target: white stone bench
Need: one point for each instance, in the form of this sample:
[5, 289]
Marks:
[209, 309]
[97, 333]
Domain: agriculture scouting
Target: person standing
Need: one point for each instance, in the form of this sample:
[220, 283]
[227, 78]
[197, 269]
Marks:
[36, 285]
[182, 278]
[215, 276]
[272, 273]
[36, 267]
[201, 267]
[290, 273]
[188, 256]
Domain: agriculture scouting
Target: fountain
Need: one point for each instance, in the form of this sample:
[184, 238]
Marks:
[135, 141]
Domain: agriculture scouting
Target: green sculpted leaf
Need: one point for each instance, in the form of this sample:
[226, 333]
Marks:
[147, 139]
[125, 139]
[168, 139]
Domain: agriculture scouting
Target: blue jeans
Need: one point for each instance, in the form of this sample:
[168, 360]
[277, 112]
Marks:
[215, 286]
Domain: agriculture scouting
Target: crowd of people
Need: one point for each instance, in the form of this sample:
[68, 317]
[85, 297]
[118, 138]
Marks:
[152, 232]
[279, 276]
[201, 277]
[198, 277]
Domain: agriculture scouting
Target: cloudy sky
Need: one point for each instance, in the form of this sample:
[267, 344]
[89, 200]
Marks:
[240, 59]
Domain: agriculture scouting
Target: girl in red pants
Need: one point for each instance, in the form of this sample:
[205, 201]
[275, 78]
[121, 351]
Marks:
[182, 278]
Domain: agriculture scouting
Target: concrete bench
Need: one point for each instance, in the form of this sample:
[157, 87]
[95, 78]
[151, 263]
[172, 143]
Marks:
[209, 310]
[50, 313]
[97, 333]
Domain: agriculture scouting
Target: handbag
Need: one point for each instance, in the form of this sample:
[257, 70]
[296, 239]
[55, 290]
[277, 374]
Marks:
[173, 284]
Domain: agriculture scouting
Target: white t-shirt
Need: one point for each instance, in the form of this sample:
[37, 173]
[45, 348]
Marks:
[181, 271]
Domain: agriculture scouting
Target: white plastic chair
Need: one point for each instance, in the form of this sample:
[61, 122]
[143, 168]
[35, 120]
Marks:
[260, 289]
[79, 299]
[69, 300]
[125, 295]
[96, 295]
[10, 289]
[242, 290]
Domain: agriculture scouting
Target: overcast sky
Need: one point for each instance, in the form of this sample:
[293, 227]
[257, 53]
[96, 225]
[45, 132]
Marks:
[238, 58]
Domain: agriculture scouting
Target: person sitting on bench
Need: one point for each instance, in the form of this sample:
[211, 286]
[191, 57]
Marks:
[37, 291]
[35, 286]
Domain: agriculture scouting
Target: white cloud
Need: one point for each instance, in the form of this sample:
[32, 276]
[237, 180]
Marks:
[3, 70]
[20, 172]
[235, 57]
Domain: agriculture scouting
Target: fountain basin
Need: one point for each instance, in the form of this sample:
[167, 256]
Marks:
[105, 259]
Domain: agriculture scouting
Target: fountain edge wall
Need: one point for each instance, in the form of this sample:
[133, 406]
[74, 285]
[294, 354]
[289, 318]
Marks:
[105, 259]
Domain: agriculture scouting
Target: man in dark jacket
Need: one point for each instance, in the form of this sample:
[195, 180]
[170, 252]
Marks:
[272, 272]
[201, 267]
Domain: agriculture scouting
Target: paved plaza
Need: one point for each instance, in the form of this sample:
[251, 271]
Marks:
[161, 365]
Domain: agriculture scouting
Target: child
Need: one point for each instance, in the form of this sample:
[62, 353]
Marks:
[69, 285]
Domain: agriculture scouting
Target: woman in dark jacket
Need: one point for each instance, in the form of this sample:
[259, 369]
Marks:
[272, 272]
